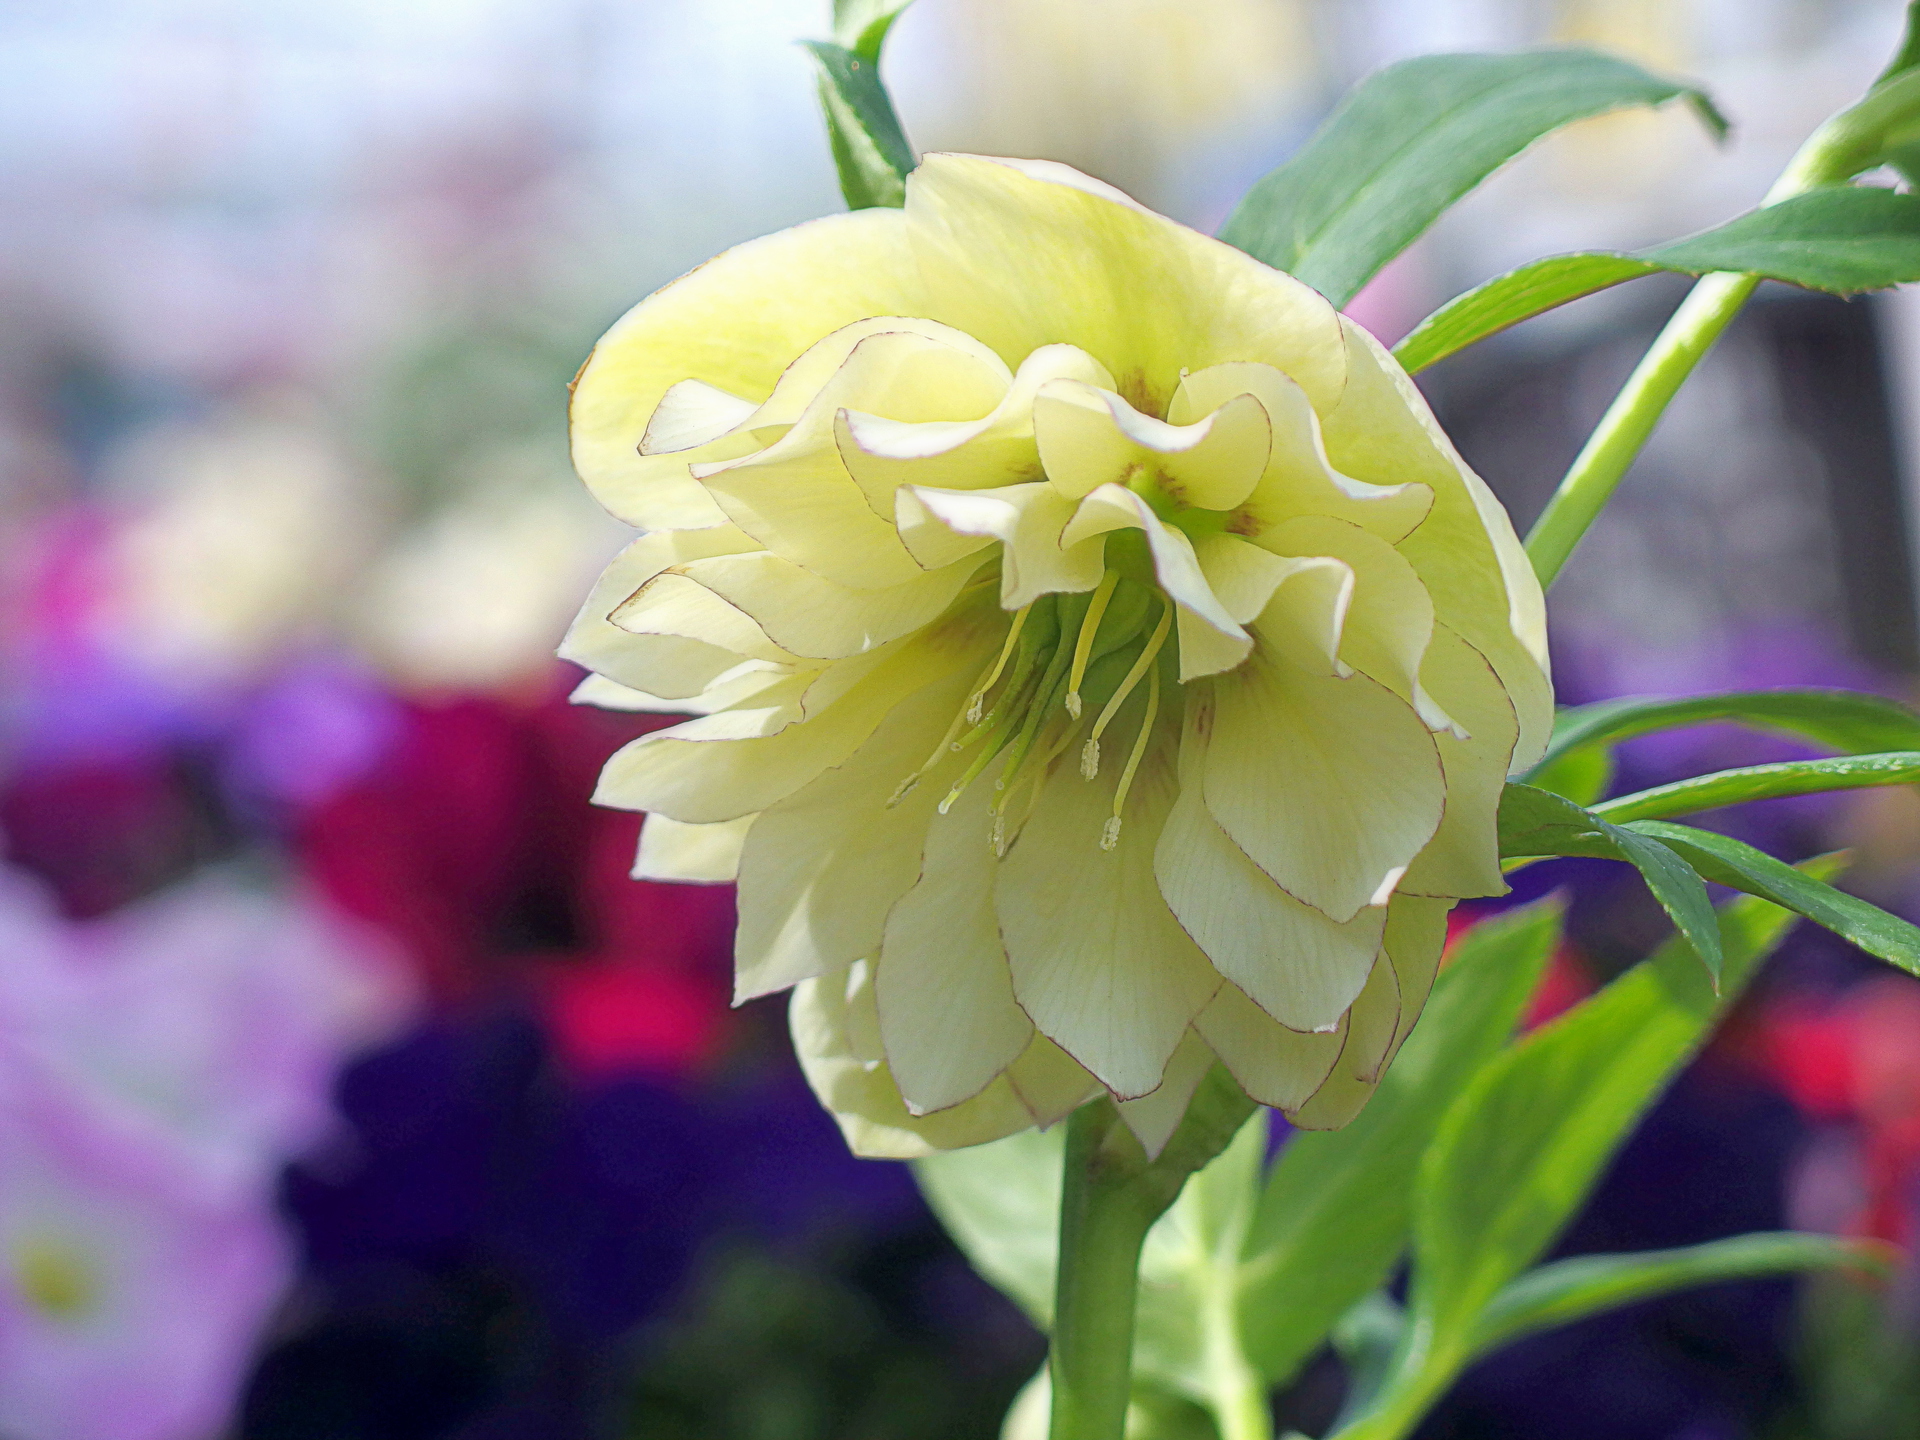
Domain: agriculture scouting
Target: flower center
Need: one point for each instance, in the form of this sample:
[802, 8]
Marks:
[1067, 668]
[54, 1278]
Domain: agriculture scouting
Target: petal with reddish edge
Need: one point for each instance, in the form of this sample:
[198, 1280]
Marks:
[1022, 253]
[948, 1019]
[596, 642]
[1099, 962]
[1466, 552]
[1090, 436]
[1390, 620]
[1154, 1117]
[821, 869]
[807, 616]
[692, 774]
[1299, 478]
[1028, 520]
[1372, 1026]
[1463, 858]
[735, 323]
[1274, 1065]
[1330, 785]
[1302, 968]
[827, 1017]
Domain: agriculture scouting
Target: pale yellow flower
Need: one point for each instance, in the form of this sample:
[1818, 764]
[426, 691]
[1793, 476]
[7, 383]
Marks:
[1102, 662]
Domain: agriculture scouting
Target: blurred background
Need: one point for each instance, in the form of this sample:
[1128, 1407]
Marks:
[348, 1088]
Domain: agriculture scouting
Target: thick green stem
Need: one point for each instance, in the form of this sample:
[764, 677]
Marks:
[1103, 1224]
[1836, 151]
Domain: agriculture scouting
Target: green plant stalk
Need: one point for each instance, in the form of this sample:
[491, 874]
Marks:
[1840, 149]
[1237, 1393]
[1103, 1224]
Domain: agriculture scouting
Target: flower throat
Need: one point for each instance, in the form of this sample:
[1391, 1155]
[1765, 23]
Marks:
[1068, 665]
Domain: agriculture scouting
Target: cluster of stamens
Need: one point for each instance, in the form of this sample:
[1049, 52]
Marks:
[1029, 705]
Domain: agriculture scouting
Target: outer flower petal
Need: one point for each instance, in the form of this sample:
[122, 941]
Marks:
[1154, 1117]
[1483, 588]
[1331, 786]
[821, 868]
[797, 497]
[948, 1019]
[674, 607]
[1463, 858]
[1020, 254]
[1372, 1025]
[1274, 1065]
[704, 854]
[700, 780]
[1303, 969]
[1390, 620]
[1099, 962]
[810, 617]
[827, 1017]
[595, 642]
[735, 323]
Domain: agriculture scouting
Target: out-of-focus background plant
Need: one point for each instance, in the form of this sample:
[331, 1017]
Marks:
[348, 1087]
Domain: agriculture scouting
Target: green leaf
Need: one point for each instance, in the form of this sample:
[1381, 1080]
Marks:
[1841, 239]
[1001, 1204]
[1334, 1217]
[870, 149]
[1761, 782]
[1536, 822]
[1409, 141]
[1519, 1151]
[1842, 720]
[1581, 775]
[1570, 1290]
[862, 25]
[1736, 864]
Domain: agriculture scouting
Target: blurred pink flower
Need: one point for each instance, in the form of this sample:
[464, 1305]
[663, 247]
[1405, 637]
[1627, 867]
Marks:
[157, 1068]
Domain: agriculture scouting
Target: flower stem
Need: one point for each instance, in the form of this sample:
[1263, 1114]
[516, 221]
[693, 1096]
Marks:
[1835, 152]
[1102, 1227]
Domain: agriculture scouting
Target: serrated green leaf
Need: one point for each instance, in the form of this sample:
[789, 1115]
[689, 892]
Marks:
[1572, 1289]
[1842, 720]
[1518, 1152]
[1333, 1219]
[1535, 823]
[1842, 239]
[1736, 864]
[870, 150]
[1761, 782]
[1409, 141]
[861, 26]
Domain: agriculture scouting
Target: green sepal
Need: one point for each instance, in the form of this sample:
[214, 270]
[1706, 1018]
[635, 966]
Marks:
[870, 149]
[1409, 141]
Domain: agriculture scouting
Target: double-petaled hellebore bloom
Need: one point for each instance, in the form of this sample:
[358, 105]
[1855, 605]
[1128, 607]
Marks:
[1103, 664]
